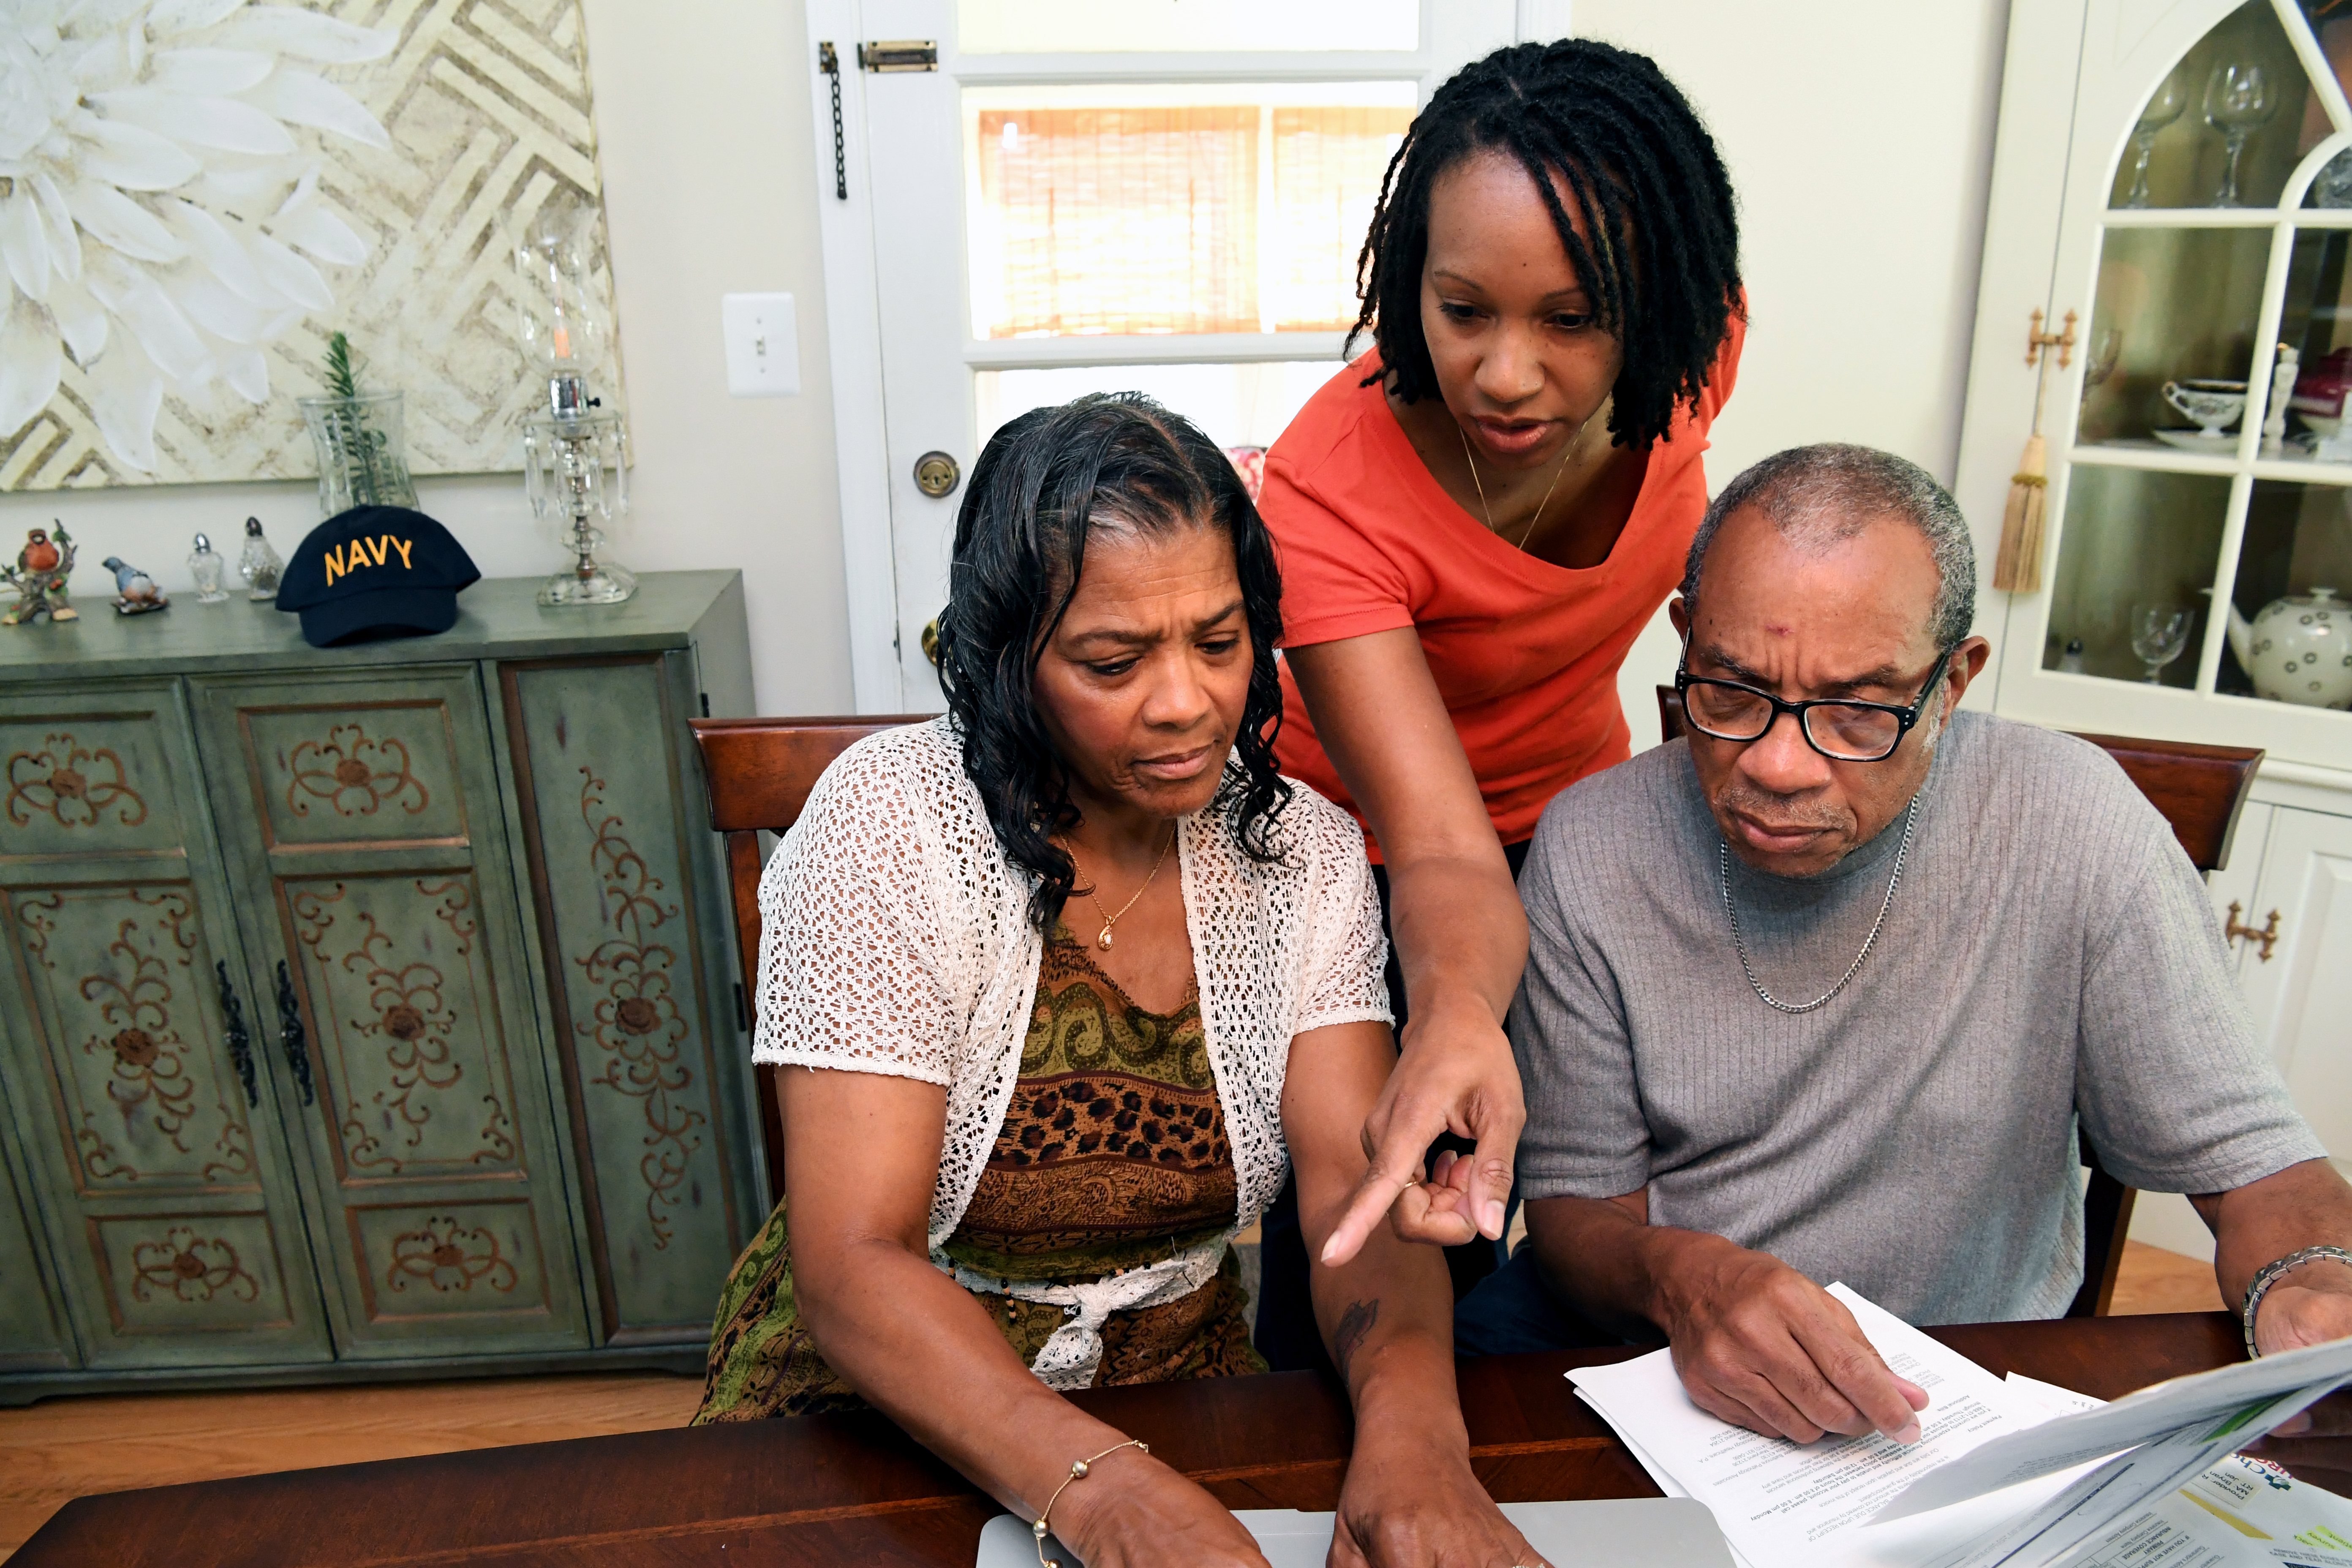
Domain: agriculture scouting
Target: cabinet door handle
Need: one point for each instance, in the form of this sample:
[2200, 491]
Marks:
[2237, 930]
[233, 1032]
[290, 1032]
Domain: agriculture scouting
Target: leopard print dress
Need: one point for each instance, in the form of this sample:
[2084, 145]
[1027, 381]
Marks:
[1112, 1154]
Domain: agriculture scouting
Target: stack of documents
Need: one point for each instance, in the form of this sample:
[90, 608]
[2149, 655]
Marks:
[2005, 1475]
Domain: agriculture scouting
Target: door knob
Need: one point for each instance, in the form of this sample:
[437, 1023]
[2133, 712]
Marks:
[937, 475]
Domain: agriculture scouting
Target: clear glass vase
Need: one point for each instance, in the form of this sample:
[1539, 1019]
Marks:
[363, 453]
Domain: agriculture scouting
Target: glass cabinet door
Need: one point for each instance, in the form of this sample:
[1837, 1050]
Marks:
[2200, 557]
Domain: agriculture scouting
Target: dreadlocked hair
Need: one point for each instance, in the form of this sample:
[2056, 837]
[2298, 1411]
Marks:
[1662, 264]
[1049, 480]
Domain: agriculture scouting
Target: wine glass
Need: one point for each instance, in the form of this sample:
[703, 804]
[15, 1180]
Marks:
[2240, 99]
[2159, 633]
[2171, 102]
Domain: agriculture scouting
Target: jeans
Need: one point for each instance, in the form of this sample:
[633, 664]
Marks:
[1512, 1312]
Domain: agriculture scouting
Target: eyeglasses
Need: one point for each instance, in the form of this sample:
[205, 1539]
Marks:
[1840, 729]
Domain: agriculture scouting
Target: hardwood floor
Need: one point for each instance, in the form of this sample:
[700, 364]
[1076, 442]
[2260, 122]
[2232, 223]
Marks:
[64, 1449]
[2153, 1280]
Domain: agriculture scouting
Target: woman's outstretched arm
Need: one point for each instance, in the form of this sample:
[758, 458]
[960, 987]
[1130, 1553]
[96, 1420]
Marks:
[1409, 1499]
[862, 1154]
[1461, 935]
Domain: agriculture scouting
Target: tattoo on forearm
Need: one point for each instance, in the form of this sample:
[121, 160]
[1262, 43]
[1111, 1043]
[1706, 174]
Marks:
[1355, 1324]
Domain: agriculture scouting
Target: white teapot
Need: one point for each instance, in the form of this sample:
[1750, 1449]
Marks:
[2299, 650]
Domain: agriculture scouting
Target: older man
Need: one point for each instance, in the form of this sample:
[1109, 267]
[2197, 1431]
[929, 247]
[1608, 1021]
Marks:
[1819, 994]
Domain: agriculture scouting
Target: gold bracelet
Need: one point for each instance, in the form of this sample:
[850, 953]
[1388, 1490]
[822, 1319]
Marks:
[1077, 1473]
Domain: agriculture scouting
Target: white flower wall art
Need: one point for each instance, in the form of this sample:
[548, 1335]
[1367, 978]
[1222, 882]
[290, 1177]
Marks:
[195, 194]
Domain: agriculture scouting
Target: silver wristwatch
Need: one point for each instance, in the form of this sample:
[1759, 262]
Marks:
[2261, 1284]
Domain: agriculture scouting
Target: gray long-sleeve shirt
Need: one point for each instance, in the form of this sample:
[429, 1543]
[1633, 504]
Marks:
[2049, 951]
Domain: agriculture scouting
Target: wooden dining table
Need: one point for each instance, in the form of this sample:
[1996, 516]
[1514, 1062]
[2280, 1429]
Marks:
[853, 1489]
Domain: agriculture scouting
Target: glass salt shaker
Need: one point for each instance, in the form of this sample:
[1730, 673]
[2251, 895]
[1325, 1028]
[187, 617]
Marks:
[260, 565]
[206, 566]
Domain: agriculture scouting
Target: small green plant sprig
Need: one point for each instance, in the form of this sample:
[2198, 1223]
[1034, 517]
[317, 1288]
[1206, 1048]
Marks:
[362, 447]
[339, 382]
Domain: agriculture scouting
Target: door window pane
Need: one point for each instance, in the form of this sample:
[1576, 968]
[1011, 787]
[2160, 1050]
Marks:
[1151, 209]
[2316, 320]
[2174, 305]
[2134, 541]
[1328, 164]
[1233, 405]
[2291, 636]
[1184, 27]
[1117, 220]
[2190, 121]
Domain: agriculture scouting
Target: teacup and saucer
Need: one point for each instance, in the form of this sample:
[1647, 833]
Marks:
[2212, 405]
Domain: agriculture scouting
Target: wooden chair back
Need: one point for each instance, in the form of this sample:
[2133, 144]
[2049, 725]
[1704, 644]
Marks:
[760, 773]
[2201, 791]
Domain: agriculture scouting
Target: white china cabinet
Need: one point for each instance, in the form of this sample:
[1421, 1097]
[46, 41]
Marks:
[2168, 183]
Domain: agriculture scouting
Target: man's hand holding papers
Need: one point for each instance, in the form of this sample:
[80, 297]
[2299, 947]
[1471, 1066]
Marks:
[1756, 1342]
[1782, 1504]
[1992, 1482]
[1761, 1346]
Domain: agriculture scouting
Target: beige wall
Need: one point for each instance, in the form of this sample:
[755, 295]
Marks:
[1859, 136]
[703, 121]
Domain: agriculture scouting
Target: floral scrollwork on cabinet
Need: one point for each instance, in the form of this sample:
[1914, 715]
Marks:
[450, 1256]
[354, 775]
[72, 784]
[150, 1072]
[187, 1267]
[408, 1015]
[636, 1021]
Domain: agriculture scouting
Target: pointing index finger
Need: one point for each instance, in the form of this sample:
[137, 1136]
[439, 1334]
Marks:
[1379, 1189]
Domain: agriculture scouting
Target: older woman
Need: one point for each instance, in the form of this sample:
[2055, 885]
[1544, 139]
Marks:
[1077, 978]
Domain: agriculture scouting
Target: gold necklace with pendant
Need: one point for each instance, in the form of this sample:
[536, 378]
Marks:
[1102, 939]
[1528, 533]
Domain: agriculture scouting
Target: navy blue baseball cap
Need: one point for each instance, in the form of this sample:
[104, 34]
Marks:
[375, 571]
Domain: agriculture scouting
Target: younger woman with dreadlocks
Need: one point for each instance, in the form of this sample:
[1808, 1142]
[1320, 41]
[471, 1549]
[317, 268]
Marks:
[1476, 518]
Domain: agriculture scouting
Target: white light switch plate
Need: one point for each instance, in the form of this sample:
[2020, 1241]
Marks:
[764, 344]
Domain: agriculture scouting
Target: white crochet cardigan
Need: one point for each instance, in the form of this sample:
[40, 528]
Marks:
[897, 940]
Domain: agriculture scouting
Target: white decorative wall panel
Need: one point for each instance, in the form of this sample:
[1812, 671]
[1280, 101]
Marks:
[194, 194]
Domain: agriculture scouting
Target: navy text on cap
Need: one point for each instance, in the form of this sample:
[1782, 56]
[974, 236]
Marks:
[375, 571]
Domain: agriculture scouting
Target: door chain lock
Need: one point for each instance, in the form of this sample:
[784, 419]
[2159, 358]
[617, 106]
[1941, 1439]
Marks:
[828, 60]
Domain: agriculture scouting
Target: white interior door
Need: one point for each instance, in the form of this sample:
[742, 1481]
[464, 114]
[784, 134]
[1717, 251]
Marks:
[1164, 195]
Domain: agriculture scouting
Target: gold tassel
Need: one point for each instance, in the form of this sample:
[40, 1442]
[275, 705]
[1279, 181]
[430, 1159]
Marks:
[2017, 569]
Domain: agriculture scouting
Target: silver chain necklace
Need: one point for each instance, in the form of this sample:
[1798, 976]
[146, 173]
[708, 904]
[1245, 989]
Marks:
[1722, 871]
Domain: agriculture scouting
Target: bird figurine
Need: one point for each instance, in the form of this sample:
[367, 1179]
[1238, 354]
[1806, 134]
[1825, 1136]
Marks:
[135, 592]
[39, 577]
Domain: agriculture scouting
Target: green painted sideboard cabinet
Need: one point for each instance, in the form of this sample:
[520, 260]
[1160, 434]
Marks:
[367, 1012]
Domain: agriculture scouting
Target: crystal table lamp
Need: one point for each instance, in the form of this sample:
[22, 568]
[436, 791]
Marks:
[575, 459]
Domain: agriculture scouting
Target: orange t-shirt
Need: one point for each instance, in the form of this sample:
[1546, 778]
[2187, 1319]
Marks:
[1525, 653]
